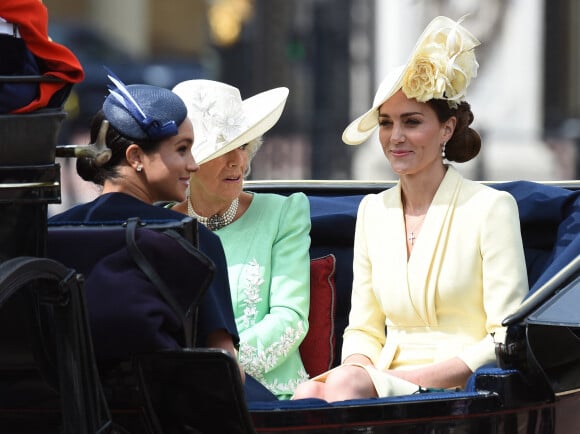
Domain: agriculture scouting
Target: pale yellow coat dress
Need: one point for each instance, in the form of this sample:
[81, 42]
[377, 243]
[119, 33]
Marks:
[466, 273]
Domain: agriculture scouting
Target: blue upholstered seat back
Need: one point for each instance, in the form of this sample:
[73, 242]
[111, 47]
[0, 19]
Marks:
[550, 223]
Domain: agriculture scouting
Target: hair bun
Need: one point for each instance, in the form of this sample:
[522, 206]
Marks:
[465, 143]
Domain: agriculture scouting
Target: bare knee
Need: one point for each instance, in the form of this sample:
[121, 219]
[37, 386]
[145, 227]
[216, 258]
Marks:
[349, 382]
[309, 389]
[346, 382]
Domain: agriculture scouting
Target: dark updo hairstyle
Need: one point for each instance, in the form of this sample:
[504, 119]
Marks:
[87, 167]
[465, 143]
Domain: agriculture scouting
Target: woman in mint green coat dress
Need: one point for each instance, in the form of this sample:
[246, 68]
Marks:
[265, 236]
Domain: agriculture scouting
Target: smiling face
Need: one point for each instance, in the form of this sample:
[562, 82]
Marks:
[218, 182]
[167, 170]
[412, 136]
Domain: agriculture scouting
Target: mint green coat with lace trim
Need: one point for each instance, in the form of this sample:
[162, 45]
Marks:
[269, 271]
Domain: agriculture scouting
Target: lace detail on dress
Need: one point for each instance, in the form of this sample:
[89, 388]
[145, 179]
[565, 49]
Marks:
[257, 362]
[254, 279]
[278, 388]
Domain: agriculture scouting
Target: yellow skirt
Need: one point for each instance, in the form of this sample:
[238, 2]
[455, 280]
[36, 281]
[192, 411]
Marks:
[385, 383]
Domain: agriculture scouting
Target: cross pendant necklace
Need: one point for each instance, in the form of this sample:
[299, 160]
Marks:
[412, 234]
[417, 219]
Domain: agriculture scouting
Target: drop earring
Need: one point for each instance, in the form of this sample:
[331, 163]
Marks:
[443, 150]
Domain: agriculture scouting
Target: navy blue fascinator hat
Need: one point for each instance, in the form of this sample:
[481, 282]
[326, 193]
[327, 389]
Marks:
[143, 112]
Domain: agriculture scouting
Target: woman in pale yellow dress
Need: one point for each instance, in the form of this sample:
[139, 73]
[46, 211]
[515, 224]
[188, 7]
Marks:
[438, 259]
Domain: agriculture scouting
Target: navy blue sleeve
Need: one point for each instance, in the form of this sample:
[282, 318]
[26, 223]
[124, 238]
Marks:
[216, 310]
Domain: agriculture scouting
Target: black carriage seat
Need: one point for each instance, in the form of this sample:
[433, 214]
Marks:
[136, 262]
[48, 377]
[152, 390]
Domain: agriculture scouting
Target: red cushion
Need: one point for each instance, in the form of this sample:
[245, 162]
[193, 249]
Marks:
[317, 349]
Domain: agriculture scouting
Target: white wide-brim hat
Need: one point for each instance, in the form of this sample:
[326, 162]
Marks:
[440, 66]
[222, 121]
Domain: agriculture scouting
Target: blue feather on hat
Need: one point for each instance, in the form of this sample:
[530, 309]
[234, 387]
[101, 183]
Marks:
[142, 111]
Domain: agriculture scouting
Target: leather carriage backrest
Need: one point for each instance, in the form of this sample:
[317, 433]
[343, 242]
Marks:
[81, 245]
[47, 365]
[118, 287]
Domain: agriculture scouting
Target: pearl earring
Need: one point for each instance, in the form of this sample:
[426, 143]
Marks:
[139, 168]
[443, 150]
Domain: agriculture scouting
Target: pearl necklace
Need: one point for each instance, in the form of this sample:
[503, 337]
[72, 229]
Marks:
[216, 221]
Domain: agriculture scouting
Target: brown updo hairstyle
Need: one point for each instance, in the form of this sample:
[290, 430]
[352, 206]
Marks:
[465, 143]
[87, 167]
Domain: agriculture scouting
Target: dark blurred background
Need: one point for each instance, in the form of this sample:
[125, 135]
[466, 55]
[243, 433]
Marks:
[254, 45]
[323, 50]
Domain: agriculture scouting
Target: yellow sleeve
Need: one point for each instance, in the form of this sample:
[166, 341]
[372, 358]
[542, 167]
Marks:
[365, 333]
[504, 275]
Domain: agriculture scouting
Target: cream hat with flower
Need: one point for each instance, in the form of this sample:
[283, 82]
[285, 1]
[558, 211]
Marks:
[222, 121]
[441, 66]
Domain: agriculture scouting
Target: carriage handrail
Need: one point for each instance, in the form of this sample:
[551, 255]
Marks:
[98, 150]
[30, 79]
[11, 185]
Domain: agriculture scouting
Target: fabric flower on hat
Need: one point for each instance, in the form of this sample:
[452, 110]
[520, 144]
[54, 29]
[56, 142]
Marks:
[222, 120]
[202, 102]
[442, 67]
[229, 121]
